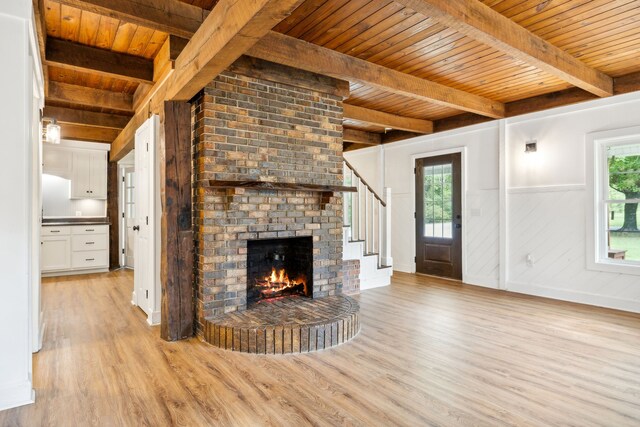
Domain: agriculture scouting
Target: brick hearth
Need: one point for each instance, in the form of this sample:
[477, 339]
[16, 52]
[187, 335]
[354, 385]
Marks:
[249, 125]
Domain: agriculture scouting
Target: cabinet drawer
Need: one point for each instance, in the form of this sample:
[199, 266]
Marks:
[90, 229]
[56, 231]
[89, 242]
[89, 259]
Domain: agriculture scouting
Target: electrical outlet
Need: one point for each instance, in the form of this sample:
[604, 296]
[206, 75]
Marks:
[78, 213]
[530, 260]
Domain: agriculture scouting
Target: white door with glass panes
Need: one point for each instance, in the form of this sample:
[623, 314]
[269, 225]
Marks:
[129, 216]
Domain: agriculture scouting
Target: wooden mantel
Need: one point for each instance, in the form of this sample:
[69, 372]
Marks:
[327, 191]
[266, 185]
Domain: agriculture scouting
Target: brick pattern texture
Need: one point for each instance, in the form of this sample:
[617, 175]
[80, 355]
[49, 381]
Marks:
[247, 128]
[288, 325]
[351, 276]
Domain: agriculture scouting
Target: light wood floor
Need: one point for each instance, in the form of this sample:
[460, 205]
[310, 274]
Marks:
[429, 353]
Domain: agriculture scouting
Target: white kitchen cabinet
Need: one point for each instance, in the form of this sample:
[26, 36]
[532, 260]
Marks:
[57, 161]
[56, 253]
[89, 177]
[75, 249]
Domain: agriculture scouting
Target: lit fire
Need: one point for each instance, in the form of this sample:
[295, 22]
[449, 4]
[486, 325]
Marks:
[278, 284]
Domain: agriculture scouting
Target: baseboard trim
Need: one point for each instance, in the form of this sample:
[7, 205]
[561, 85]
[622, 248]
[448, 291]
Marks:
[16, 394]
[154, 318]
[577, 297]
[75, 272]
[405, 268]
[485, 282]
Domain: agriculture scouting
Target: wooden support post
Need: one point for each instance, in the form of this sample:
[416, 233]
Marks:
[112, 214]
[177, 319]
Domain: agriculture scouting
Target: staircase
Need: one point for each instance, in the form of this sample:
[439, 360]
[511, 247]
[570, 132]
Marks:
[367, 230]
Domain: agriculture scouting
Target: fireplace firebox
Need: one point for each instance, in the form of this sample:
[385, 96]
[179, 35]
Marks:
[278, 268]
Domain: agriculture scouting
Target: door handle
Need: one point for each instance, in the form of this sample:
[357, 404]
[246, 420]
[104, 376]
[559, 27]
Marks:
[458, 225]
[136, 228]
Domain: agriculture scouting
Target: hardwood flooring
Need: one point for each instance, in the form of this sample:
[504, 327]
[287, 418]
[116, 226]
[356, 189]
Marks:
[430, 352]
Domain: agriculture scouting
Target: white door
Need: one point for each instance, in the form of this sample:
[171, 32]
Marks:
[129, 215]
[143, 262]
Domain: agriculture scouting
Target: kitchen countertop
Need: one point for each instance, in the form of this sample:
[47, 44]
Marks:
[74, 221]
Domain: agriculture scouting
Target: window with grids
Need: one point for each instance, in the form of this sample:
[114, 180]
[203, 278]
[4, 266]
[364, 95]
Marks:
[619, 198]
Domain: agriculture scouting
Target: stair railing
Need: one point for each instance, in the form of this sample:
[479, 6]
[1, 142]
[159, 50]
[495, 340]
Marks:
[368, 215]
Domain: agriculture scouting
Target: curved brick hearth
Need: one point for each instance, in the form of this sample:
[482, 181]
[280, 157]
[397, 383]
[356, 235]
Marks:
[289, 325]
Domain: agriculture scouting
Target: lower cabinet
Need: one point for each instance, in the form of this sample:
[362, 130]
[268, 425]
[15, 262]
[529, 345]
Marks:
[75, 248]
[56, 253]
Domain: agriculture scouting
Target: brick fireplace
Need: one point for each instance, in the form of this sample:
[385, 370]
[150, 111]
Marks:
[264, 123]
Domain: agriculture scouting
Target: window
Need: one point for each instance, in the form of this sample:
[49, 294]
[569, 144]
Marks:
[616, 190]
[438, 201]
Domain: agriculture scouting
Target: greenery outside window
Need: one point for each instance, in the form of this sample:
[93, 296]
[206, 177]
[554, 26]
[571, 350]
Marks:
[616, 190]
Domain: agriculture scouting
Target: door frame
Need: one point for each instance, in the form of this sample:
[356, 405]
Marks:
[463, 189]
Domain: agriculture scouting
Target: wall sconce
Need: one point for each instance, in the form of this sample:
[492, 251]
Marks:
[531, 146]
[52, 134]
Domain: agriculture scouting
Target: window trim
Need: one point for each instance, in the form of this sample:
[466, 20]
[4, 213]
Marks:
[597, 180]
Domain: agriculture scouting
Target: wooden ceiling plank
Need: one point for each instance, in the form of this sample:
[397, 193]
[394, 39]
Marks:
[227, 33]
[296, 53]
[87, 118]
[76, 56]
[41, 33]
[361, 137]
[52, 19]
[387, 120]
[81, 95]
[169, 16]
[480, 22]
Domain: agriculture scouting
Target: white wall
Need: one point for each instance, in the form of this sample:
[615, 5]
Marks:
[368, 163]
[548, 201]
[545, 201]
[480, 207]
[16, 230]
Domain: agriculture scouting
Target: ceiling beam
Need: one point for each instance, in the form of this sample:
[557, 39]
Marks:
[386, 120]
[282, 49]
[480, 22]
[82, 95]
[398, 135]
[76, 56]
[361, 137]
[228, 32]
[169, 16]
[86, 118]
[88, 133]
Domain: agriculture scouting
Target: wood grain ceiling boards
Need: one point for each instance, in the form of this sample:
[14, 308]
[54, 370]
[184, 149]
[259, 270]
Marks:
[80, 26]
[204, 4]
[603, 34]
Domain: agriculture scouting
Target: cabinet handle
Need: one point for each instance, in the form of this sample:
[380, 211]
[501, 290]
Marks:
[89, 259]
[89, 229]
[55, 231]
[89, 243]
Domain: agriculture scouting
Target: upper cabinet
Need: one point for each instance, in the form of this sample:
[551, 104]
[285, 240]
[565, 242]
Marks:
[86, 168]
[89, 178]
[57, 161]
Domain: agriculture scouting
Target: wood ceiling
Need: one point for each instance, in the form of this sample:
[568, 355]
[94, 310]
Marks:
[414, 66]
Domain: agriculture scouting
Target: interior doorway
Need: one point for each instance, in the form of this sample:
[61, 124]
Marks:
[439, 216]
[128, 215]
[127, 198]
